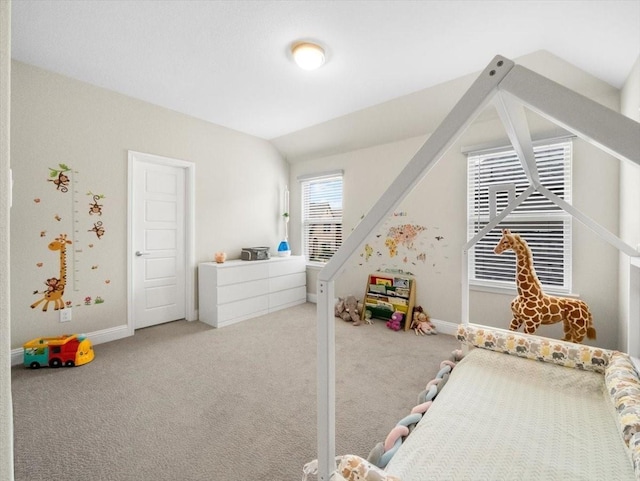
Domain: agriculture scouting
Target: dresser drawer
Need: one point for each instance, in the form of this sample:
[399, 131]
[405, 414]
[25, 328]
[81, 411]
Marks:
[287, 282]
[242, 273]
[245, 308]
[289, 266]
[244, 290]
[279, 299]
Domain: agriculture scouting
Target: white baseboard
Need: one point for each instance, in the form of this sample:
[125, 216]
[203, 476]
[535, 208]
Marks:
[97, 337]
[445, 327]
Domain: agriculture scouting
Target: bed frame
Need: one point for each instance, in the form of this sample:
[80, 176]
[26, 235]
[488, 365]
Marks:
[511, 87]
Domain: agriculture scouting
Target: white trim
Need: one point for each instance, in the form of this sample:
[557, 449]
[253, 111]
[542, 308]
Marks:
[321, 175]
[97, 337]
[633, 327]
[485, 286]
[190, 203]
[547, 137]
[445, 327]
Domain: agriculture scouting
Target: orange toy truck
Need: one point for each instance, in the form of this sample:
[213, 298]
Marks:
[66, 350]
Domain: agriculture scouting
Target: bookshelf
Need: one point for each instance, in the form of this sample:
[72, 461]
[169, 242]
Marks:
[389, 292]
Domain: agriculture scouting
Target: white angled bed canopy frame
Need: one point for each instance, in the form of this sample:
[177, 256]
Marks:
[511, 87]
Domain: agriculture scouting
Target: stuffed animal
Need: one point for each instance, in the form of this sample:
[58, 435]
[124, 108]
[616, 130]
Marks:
[339, 307]
[364, 313]
[347, 310]
[395, 323]
[421, 324]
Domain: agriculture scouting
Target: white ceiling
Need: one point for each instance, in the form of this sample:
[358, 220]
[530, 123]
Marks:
[227, 62]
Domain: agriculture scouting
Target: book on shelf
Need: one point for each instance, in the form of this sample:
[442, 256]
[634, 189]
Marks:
[383, 281]
[402, 291]
[401, 282]
[379, 288]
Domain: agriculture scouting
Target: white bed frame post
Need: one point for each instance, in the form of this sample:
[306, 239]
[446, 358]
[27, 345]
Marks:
[598, 125]
[326, 370]
[464, 112]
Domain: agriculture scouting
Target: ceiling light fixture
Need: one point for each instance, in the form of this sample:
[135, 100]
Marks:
[307, 55]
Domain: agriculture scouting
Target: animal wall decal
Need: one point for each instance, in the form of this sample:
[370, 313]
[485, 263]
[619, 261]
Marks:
[55, 286]
[98, 229]
[94, 207]
[59, 178]
[532, 307]
[78, 267]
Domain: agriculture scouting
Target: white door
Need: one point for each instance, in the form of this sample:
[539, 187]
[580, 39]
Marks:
[158, 242]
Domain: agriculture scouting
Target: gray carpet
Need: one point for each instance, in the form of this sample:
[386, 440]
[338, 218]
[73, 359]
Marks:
[184, 401]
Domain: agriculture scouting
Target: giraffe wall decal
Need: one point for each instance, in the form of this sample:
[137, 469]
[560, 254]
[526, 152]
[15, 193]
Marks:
[55, 287]
[533, 307]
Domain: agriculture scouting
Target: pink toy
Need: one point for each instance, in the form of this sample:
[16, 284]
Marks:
[395, 323]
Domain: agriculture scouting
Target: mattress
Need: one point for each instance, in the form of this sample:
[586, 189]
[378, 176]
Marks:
[503, 417]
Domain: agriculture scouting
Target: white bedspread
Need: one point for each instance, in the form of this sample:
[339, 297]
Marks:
[502, 417]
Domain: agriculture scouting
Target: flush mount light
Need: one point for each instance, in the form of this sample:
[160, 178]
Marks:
[307, 55]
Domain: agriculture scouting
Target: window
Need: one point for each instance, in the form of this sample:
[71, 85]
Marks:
[545, 226]
[322, 216]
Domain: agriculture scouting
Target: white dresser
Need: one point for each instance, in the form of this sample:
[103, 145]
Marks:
[237, 290]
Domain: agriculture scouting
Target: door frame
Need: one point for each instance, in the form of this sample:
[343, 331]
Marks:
[189, 244]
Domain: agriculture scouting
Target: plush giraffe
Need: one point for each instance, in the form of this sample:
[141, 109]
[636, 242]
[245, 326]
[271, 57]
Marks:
[533, 307]
[55, 290]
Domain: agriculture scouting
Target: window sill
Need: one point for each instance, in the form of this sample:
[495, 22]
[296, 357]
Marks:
[508, 290]
[315, 265]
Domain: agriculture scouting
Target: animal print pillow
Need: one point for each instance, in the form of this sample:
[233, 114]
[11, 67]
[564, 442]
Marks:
[537, 348]
[623, 386]
[354, 468]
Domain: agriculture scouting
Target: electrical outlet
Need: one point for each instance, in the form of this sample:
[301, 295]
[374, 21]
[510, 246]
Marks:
[65, 315]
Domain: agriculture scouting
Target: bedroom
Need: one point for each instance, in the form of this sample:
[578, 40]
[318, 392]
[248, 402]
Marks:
[85, 114]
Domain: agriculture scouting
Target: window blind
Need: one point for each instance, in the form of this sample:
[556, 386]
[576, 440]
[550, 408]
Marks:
[545, 226]
[322, 217]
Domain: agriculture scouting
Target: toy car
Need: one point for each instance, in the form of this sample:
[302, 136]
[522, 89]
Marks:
[66, 350]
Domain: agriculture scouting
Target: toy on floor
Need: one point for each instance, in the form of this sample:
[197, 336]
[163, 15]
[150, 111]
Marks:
[67, 350]
[421, 323]
[365, 314]
[533, 307]
[395, 323]
[347, 310]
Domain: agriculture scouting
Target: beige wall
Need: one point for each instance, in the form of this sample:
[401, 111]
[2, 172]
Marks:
[629, 202]
[6, 413]
[439, 204]
[57, 120]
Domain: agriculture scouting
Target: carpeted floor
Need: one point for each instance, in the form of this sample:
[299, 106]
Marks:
[185, 402]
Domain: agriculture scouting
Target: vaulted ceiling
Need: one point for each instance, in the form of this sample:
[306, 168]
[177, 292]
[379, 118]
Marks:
[228, 62]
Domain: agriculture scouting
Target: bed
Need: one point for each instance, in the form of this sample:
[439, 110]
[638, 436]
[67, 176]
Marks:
[519, 407]
[512, 88]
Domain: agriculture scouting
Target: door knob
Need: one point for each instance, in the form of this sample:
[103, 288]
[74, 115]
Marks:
[138, 253]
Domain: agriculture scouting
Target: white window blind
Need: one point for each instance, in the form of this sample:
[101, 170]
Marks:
[545, 226]
[322, 216]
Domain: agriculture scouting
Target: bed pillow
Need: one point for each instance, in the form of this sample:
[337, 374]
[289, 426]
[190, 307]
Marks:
[537, 348]
[623, 386]
[355, 468]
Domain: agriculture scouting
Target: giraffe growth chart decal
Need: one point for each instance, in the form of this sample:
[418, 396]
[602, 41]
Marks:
[55, 286]
[76, 280]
